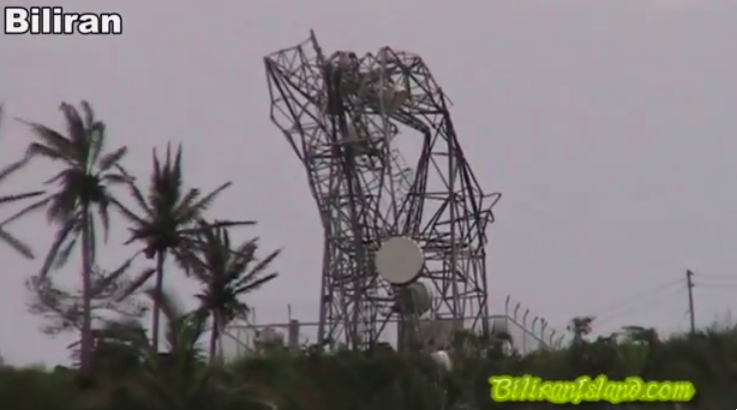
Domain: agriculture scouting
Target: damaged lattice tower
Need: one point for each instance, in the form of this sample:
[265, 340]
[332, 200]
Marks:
[344, 115]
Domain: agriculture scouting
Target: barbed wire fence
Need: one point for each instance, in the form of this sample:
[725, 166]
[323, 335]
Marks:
[528, 330]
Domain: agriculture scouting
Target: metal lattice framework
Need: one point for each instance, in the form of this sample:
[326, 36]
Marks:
[341, 113]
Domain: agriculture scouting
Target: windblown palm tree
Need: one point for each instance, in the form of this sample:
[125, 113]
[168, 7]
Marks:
[83, 192]
[6, 236]
[168, 220]
[182, 333]
[177, 379]
[226, 274]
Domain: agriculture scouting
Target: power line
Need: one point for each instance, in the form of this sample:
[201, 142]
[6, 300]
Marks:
[644, 303]
[715, 285]
[652, 296]
[639, 297]
[718, 276]
[702, 285]
[646, 296]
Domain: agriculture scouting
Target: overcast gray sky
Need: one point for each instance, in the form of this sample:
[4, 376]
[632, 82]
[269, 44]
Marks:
[608, 125]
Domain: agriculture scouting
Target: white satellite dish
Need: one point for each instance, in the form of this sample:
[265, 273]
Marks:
[415, 298]
[500, 328]
[442, 359]
[399, 260]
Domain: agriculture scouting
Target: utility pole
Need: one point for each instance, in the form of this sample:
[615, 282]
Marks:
[691, 313]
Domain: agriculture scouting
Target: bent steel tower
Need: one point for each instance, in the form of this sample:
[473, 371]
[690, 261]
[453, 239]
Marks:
[342, 115]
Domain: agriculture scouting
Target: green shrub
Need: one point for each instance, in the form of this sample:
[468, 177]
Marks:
[384, 380]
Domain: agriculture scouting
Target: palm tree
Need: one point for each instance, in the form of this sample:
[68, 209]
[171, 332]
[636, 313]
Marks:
[5, 236]
[168, 220]
[83, 192]
[179, 378]
[183, 331]
[226, 274]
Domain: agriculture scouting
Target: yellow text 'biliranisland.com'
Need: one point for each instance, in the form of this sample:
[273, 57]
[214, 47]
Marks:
[506, 388]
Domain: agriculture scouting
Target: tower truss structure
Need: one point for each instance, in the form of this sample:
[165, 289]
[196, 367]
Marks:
[342, 115]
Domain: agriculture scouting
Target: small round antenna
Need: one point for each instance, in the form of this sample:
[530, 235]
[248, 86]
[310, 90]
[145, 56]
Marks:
[415, 298]
[399, 260]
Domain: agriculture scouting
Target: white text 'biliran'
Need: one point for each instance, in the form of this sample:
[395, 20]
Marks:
[53, 20]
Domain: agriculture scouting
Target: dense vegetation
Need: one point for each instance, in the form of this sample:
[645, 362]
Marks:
[380, 379]
[121, 367]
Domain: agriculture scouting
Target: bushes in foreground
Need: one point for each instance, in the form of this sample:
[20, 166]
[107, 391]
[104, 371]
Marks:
[381, 380]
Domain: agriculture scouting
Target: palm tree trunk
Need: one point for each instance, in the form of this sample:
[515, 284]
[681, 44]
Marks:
[86, 337]
[214, 338]
[158, 291]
